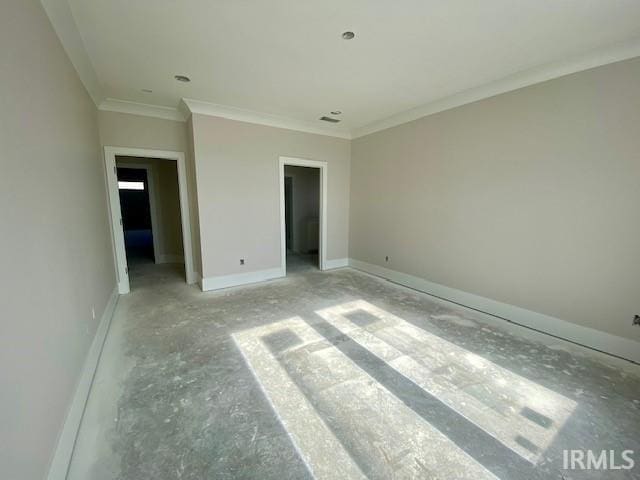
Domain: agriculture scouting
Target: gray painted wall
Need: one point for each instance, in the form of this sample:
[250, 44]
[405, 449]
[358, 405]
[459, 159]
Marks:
[237, 168]
[530, 198]
[56, 254]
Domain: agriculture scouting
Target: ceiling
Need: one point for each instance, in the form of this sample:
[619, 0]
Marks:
[286, 58]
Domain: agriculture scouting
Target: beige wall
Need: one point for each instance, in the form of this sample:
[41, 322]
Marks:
[237, 168]
[531, 198]
[167, 203]
[55, 248]
[127, 130]
[169, 207]
[136, 131]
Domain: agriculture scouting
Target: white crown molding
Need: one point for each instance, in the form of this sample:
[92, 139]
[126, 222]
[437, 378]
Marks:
[184, 109]
[64, 24]
[135, 108]
[596, 58]
[61, 17]
[250, 116]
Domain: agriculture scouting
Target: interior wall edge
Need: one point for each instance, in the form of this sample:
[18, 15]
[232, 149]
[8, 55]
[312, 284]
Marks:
[61, 457]
[624, 349]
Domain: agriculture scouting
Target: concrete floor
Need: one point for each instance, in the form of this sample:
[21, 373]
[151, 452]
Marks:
[343, 375]
[297, 262]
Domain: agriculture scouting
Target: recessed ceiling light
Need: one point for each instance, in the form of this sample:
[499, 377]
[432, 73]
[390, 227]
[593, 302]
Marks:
[182, 78]
[146, 90]
[348, 35]
[336, 112]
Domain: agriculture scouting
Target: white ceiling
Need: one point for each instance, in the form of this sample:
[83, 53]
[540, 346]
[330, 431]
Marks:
[287, 58]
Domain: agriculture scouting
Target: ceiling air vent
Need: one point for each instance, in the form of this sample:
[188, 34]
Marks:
[329, 119]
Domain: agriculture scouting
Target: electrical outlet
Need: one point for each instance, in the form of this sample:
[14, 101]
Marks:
[93, 312]
[242, 261]
[636, 320]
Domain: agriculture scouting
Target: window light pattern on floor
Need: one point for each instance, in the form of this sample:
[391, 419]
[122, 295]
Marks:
[363, 393]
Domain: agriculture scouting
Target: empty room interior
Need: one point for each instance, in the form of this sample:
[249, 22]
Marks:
[320, 240]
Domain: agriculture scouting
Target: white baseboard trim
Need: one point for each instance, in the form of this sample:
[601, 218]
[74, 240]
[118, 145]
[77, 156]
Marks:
[66, 441]
[169, 258]
[622, 348]
[226, 281]
[337, 263]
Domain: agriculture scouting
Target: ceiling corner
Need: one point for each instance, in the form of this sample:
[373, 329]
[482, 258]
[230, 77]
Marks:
[61, 18]
[593, 59]
[260, 118]
[184, 109]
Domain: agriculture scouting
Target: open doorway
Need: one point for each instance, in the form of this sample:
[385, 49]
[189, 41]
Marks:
[139, 231]
[303, 214]
[149, 209]
[302, 217]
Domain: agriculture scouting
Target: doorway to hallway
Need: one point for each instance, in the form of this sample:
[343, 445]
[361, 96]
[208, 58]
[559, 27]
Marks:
[149, 209]
[302, 216]
[139, 231]
[303, 199]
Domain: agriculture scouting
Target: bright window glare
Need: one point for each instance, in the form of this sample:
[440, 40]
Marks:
[130, 185]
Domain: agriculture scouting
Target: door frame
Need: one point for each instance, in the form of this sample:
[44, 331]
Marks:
[117, 234]
[322, 251]
[153, 212]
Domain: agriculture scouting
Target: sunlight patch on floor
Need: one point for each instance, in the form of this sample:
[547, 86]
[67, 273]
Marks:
[522, 415]
[343, 422]
[317, 445]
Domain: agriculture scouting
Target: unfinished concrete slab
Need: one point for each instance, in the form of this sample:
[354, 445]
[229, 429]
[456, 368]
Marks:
[339, 375]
